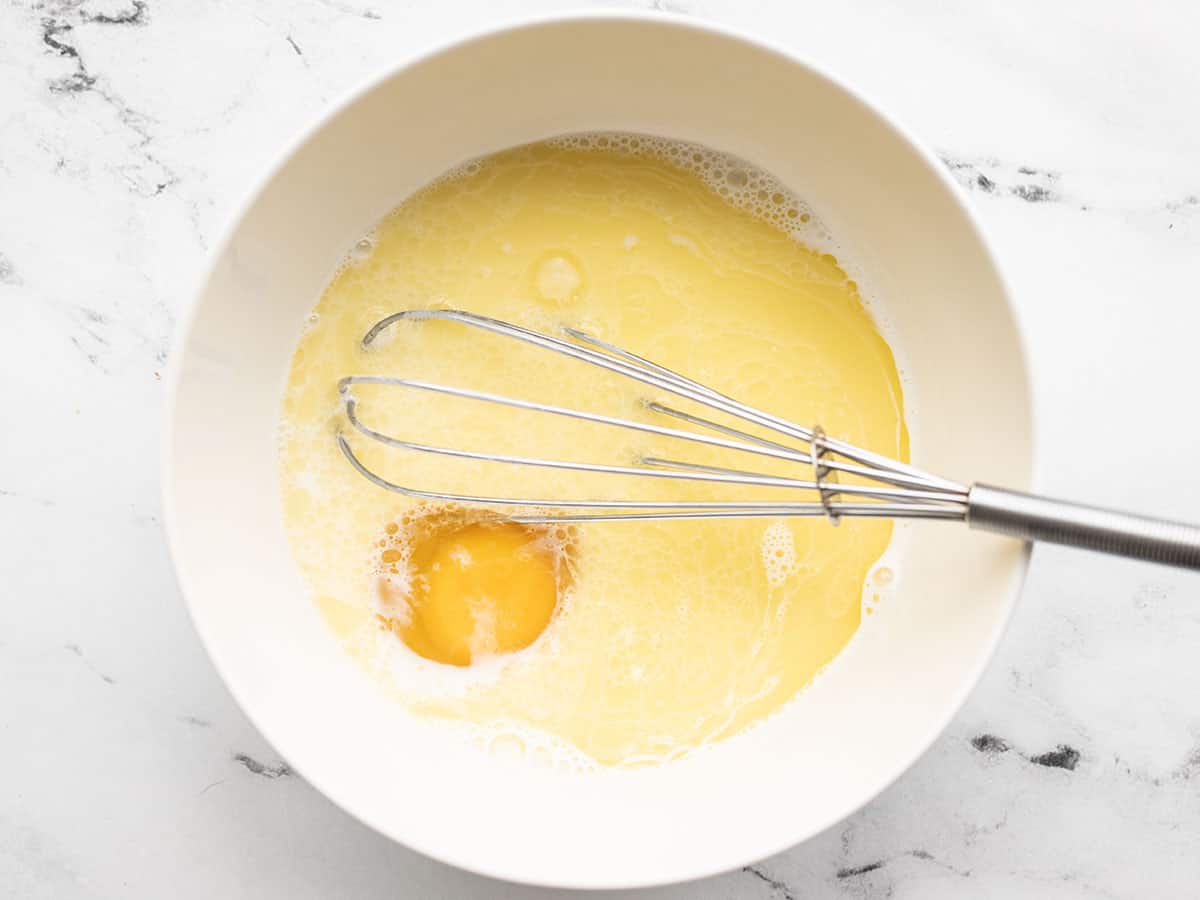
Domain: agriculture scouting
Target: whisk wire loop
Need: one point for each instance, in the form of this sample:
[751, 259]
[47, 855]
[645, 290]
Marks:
[890, 488]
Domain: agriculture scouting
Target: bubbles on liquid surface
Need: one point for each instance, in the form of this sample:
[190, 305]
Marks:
[778, 553]
[878, 586]
[512, 742]
[507, 746]
[743, 185]
[362, 250]
[558, 278]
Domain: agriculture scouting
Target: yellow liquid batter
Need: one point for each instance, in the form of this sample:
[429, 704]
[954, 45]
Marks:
[632, 641]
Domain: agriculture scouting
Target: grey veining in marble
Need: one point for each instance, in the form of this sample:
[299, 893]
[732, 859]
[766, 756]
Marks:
[128, 131]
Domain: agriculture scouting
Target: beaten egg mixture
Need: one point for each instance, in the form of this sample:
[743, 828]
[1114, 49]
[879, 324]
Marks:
[621, 642]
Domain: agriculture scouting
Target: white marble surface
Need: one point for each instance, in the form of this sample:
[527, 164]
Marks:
[128, 130]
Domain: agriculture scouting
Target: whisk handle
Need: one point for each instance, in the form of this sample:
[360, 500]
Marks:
[1034, 518]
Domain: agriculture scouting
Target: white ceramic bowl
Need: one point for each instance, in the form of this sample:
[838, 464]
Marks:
[877, 707]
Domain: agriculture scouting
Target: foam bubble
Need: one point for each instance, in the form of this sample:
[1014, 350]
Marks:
[516, 742]
[362, 250]
[883, 580]
[778, 552]
[558, 278]
[742, 184]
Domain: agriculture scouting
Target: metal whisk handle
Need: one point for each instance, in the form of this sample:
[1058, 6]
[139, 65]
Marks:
[1033, 518]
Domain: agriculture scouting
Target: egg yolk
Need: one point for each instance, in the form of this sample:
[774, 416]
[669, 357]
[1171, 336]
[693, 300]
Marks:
[481, 590]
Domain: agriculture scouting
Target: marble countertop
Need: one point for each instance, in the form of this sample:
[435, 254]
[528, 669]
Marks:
[128, 131]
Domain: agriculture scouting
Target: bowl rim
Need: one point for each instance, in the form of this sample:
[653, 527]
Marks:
[463, 38]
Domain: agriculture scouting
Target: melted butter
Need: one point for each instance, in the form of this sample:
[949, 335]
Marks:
[671, 634]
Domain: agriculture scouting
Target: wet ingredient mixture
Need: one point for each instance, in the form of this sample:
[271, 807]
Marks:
[612, 643]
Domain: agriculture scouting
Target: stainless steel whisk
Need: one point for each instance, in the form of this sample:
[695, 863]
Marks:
[884, 487]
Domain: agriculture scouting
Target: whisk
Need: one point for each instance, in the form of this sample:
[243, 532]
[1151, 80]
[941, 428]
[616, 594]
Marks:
[879, 486]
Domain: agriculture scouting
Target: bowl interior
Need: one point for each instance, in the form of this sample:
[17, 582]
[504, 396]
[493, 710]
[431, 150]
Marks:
[842, 741]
